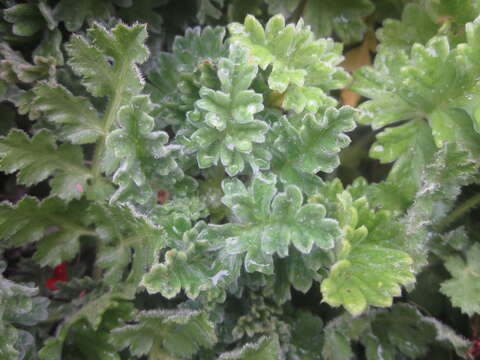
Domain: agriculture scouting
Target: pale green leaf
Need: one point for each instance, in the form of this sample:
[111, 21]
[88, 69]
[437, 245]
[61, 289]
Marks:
[39, 157]
[55, 225]
[464, 287]
[269, 222]
[108, 61]
[306, 144]
[371, 263]
[81, 123]
[166, 333]
[303, 68]
[264, 349]
[223, 127]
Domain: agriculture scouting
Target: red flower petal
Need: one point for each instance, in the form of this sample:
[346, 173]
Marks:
[50, 284]
[60, 274]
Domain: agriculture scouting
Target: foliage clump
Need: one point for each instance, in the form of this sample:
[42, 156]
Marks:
[239, 180]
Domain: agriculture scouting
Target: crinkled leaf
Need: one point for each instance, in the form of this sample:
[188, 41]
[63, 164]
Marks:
[143, 156]
[187, 264]
[82, 321]
[19, 305]
[268, 222]
[299, 271]
[344, 18]
[14, 68]
[176, 78]
[303, 68]
[411, 146]
[306, 144]
[143, 11]
[74, 13]
[224, 124]
[307, 336]
[434, 81]
[209, 8]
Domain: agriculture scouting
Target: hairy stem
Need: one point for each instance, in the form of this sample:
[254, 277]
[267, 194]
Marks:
[459, 211]
[110, 115]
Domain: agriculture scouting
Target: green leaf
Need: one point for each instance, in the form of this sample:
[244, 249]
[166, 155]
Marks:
[264, 349]
[26, 19]
[143, 11]
[441, 185]
[344, 18]
[388, 334]
[435, 82]
[129, 245]
[267, 222]
[177, 77]
[55, 225]
[50, 46]
[299, 271]
[187, 264]
[83, 341]
[457, 12]
[74, 13]
[39, 157]
[416, 26]
[303, 68]
[411, 146]
[206, 8]
[83, 321]
[306, 144]
[307, 336]
[14, 68]
[81, 123]
[371, 263]
[141, 152]
[463, 289]
[165, 333]
[19, 305]
[223, 125]
[108, 61]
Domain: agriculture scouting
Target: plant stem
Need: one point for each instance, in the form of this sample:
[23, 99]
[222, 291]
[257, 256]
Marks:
[459, 211]
[110, 115]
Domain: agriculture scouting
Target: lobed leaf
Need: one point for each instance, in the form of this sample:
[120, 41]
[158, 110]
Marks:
[268, 222]
[129, 245]
[55, 225]
[141, 152]
[108, 61]
[306, 144]
[304, 69]
[400, 331]
[264, 349]
[163, 333]
[39, 157]
[223, 125]
[371, 263]
[463, 288]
